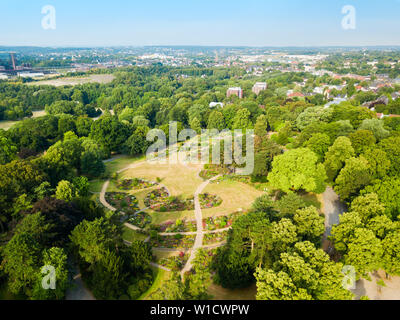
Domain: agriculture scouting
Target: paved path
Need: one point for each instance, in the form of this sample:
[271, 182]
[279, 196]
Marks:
[333, 209]
[78, 291]
[199, 220]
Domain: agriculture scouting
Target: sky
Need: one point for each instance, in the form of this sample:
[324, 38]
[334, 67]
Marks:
[90, 23]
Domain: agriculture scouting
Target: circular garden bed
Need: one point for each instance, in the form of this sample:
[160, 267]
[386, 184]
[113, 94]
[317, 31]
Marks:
[123, 202]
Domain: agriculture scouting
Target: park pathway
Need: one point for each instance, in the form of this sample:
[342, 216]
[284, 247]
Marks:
[78, 290]
[333, 208]
[199, 221]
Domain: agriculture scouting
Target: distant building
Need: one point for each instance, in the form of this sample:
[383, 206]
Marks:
[259, 86]
[3, 76]
[30, 74]
[295, 94]
[235, 91]
[216, 104]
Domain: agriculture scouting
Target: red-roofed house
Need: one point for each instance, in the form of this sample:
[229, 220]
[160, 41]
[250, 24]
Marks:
[295, 94]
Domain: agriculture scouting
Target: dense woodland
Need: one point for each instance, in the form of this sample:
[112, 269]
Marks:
[46, 216]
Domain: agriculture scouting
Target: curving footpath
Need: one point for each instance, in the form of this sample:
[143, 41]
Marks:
[199, 220]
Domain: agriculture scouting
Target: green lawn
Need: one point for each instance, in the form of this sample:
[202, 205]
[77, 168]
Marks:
[121, 163]
[131, 235]
[159, 277]
[95, 186]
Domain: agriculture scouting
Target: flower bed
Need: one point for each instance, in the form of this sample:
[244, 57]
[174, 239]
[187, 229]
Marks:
[177, 226]
[123, 201]
[139, 219]
[175, 263]
[212, 238]
[160, 201]
[134, 184]
[173, 242]
[209, 201]
[211, 171]
[221, 222]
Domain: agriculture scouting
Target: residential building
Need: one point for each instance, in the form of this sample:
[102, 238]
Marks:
[259, 86]
[235, 91]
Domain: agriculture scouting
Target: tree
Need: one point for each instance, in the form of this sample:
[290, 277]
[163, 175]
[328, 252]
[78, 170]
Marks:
[378, 163]
[298, 169]
[93, 239]
[313, 114]
[36, 226]
[92, 158]
[303, 273]
[310, 224]
[376, 126]
[195, 125]
[198, 282]
[289, 204]
[319, 143]
[109, 132]
[172, 289]
[344, 231]
[337, 155]
[361, 140]
[367, 206]
[65, 191]
[242, 120]
[352, 178]
[247, 247]
[387, 190]
[278, 286]
[137, 143]
[81, 185]
[7, 149]
[283, 235]
[44, 190]
[56, 258]
[364, 251]
[391, 253]
[21, 262]
[216, 121]
[127, 114]
[392, 148]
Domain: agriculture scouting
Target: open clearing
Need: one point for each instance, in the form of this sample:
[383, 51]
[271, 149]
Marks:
[179, 179]
[73, 81]
[236, 196]
[8, 124]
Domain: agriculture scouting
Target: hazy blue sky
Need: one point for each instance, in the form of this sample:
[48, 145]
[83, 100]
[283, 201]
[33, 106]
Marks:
[199, 22]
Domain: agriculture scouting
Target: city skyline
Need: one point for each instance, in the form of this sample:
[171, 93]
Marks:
[255, 23]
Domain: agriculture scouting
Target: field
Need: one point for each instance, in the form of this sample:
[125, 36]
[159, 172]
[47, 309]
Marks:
[73, 81]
